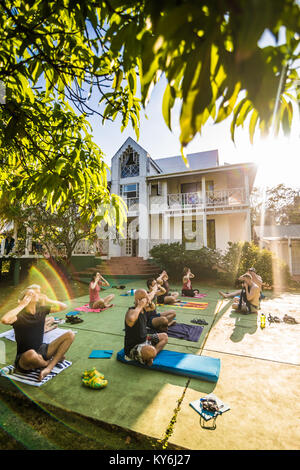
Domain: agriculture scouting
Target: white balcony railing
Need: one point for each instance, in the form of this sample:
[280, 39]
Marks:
[225, 198]
[132, 203]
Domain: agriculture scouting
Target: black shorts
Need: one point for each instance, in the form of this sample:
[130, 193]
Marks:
[42, 350]
[161, 299]
[150, 318]
[189, 292]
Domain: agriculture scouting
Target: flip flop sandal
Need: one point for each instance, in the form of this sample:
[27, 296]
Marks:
[288, 319]
[75, 320]
[94, 382]
[87, 374]
[273, 319]
[198, 321]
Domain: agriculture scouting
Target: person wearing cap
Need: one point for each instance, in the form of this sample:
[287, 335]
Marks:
[256, 279]
[248, 302]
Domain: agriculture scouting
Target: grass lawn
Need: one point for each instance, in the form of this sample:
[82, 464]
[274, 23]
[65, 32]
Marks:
[24, 424]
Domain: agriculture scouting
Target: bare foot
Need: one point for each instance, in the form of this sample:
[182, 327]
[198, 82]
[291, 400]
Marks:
[222, 293]
[44, 372]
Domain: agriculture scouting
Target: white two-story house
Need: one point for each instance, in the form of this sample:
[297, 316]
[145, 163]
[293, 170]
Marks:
[205, 204]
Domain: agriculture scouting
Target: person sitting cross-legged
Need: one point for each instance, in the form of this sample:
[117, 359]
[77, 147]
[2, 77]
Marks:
[28, 322]
[187, 288]
[168, 297]
[255, 278]
[138, 345]
[248, 302]
[94, 290]
[158, 321]
[44, 300]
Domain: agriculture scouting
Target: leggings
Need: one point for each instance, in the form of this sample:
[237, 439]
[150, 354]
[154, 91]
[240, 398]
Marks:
[189, 292]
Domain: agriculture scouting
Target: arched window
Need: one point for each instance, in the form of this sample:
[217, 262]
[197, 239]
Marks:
[129, 163]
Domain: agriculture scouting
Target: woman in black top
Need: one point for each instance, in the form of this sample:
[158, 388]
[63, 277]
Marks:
[158, 321]
[168, 297]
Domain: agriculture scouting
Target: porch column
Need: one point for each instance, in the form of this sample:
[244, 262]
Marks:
[28, 242]
[204, 211]
[248, 226]
[165, 228]
[247, 192]
[143, 220]
[290, 255]
[15, 235]
[164, 193]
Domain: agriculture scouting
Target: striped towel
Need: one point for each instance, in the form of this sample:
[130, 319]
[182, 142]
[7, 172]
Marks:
[32, 377]
[188, 304]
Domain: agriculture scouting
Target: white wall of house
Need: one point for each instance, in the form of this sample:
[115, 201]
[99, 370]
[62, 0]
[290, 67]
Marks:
[157, 223]
[288, 251]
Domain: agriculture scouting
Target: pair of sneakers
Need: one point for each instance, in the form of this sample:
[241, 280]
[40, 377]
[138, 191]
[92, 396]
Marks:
[93, 379]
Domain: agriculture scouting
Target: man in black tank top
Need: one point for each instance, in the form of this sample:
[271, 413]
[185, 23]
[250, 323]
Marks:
[138, 345]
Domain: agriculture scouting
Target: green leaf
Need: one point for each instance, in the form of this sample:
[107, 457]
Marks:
[167, 105]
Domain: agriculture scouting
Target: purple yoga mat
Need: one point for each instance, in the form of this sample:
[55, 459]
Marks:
[184, 331]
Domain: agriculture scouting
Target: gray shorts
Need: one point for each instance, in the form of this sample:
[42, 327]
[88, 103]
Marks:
[135, 353]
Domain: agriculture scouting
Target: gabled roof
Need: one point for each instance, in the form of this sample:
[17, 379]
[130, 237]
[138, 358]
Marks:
[197, 161]
[278, 231]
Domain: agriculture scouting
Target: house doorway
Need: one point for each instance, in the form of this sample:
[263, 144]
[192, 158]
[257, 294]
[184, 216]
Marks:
[132, 240]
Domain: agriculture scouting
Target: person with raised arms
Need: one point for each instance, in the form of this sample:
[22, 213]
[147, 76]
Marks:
[187, 289]
[168, 297]
[28, 322]
[158, 321]
[94, 290]
[138, 345]
[248, 302]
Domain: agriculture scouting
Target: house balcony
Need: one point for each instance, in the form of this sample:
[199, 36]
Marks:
[132, 204]
[214, 201]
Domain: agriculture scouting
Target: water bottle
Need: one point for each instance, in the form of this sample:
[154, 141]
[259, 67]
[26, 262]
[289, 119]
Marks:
[262, 321]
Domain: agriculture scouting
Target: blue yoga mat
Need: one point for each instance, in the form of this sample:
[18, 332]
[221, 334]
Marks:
[101, 354]
[189, 365]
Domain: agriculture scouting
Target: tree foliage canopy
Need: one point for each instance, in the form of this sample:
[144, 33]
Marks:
[53, 54]
[279, 205]
[209, 52]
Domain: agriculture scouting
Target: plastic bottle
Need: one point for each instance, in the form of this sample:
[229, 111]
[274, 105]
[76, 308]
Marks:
[262, 321]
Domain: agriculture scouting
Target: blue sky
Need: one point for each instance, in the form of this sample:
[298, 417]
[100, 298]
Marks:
[278, 159]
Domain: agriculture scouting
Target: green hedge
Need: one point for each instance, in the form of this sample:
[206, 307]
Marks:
[241, 256]
[174, 257]
[206, 263]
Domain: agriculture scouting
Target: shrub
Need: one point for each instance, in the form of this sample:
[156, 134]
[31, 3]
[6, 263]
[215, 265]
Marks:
[239, 257]
[174, 257]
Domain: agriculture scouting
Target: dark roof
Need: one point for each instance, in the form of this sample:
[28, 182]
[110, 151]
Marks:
[197, 161]
[279, 231]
